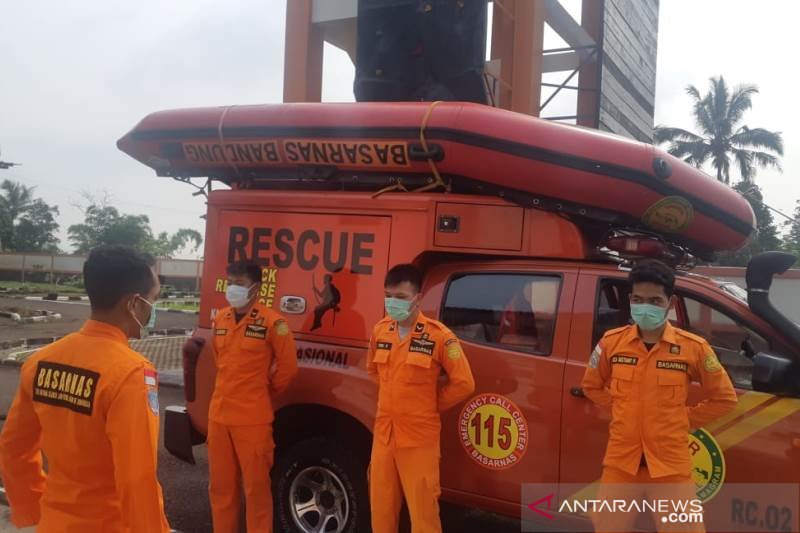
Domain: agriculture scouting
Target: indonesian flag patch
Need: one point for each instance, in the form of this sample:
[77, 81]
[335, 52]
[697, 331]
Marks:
[150, 377]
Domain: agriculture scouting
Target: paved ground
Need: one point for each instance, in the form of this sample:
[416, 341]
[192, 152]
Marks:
[186, 497]
[185, 486]
[73, 315]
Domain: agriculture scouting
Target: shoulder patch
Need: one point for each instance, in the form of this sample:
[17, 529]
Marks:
[150, 377]
[152, 401]
[281, 328]
[594, 359]
[453, 350]
[711, 363]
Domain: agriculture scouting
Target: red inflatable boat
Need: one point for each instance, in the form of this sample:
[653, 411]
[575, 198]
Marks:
[461, 147]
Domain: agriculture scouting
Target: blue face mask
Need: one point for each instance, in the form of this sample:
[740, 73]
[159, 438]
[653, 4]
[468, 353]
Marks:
[397, 309]
[648, 317]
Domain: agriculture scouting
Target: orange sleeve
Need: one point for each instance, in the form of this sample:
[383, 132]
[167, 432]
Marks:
[21, 456]
[720, 396]
[285, 352]
[372, 369]
[132, 429]
[460, 383]
[595, 379]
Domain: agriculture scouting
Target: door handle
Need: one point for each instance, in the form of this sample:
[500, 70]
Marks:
[577, 392]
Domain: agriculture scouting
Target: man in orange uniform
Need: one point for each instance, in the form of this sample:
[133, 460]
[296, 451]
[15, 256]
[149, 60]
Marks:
[256, 359]
[90, 404]
[406, 354]
[642, 372]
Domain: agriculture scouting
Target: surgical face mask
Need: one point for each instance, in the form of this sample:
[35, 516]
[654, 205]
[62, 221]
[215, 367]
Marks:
[648, 317]
[151, 322]
[397, 309]
[238, 296]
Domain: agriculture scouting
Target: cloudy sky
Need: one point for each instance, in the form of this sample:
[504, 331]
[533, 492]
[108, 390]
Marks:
[77, 75]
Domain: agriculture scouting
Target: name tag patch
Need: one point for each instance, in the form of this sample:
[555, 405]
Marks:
[383, 346]
[624, 360]
[422, 346]
[255, 332]
[673, 365]
[65, 386]
[220, 332]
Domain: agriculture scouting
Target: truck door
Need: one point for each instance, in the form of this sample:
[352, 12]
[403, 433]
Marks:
[759, 442]
[585, 426]
[513, 322]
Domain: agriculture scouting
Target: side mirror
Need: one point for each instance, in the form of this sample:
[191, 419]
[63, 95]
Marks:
[772, 373]
[747, 348]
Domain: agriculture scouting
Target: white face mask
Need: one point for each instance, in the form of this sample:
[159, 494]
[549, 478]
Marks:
[238, 296]
[145, 329]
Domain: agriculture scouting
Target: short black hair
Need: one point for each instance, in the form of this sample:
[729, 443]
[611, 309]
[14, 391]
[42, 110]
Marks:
[401, 273]
[653, 271]
[114, 271]
[251, 269]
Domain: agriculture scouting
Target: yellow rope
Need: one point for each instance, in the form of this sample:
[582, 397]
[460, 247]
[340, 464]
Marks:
[222, 141]
[395, 187]
[439, 182]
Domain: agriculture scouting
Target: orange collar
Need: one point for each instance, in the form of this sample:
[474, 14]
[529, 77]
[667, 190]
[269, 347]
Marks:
[668, 335]
[95, 328]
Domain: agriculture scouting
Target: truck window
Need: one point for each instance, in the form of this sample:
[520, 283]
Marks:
[723, 333]
[513, 311]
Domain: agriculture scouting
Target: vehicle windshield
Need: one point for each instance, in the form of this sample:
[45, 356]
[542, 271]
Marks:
[734, 290]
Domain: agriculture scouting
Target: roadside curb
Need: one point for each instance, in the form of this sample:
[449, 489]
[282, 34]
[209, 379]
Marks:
[48, 317]
[57, 299]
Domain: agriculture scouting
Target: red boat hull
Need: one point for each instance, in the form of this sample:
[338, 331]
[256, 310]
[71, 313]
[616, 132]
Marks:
[583, 171]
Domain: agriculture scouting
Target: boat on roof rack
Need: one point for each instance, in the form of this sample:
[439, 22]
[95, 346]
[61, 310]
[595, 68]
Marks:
[452, 147]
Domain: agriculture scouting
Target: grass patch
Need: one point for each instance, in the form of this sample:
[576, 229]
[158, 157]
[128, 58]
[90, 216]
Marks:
[179, 305]
[40, 288]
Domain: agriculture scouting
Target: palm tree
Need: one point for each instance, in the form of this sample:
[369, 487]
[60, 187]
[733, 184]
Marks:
[718, 115]
[15, 200]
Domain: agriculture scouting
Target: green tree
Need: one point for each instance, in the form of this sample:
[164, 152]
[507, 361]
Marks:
[104, 224]
[27, 223]
[36, 229]
[166, 245]
[766, 237]
[791, 242]
[722, 140]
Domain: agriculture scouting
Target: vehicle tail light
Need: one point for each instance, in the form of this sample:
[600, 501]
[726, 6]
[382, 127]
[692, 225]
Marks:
[638, 246]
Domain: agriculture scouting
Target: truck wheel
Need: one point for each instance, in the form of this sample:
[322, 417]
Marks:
[320, 486]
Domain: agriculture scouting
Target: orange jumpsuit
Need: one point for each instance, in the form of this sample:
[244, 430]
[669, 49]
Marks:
[90, 404]
[255, 358]
[405, 451]
[647, 392]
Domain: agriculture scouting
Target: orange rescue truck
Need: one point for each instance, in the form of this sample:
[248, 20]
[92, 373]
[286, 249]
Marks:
[528, 291]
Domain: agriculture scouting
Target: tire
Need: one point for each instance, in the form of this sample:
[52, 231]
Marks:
[329, 473]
